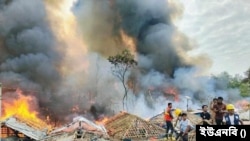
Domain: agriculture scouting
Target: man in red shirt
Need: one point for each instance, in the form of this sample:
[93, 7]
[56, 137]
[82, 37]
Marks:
[219, 109]
[168, 118]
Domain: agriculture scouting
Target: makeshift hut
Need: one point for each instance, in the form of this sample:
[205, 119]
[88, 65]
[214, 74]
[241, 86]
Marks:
[125, 126]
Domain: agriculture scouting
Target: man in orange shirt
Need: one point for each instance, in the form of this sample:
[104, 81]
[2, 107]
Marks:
[168, 118]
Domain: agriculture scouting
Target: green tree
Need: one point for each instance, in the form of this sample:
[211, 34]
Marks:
[245, 89]
[247, 79]
[245, 86]
[241, 83]
[121, 64]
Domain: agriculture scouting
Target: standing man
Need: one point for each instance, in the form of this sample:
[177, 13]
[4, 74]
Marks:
[214, 102]
[219, 109]
[206, 117]
[231, 118]
[168, 118]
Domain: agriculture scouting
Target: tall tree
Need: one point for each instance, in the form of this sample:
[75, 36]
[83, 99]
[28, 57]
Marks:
[121, 65]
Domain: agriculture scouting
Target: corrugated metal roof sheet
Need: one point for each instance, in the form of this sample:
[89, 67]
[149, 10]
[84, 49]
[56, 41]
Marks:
[81, 122]
[33, 133]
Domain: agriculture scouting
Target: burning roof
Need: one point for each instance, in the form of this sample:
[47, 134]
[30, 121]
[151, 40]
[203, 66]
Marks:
[28, 128]
[128, 126]
[81, 122]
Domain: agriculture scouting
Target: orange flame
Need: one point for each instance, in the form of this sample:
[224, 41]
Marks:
[21, 109]
[102, 121]
[129, 42]
[173, 91]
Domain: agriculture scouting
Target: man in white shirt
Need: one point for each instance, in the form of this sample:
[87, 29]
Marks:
[185, 127]
[231, 118]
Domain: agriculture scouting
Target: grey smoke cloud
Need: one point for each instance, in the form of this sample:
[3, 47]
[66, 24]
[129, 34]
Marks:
[99, 24]
[31, 57]
[151, 24]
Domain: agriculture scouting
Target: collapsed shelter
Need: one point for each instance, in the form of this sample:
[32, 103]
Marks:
[17, 128]
[80, 129]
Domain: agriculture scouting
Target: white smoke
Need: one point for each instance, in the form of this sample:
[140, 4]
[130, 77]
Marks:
[64, 57]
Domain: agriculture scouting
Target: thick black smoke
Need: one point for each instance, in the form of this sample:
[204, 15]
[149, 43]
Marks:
[158, 42]
[150, 23]
[28, 57]
[100, 25]
[32, 58]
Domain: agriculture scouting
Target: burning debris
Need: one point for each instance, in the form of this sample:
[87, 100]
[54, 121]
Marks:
[128, 126]
[14, 127]
[58, 52]
[80, 129]
[41, 51]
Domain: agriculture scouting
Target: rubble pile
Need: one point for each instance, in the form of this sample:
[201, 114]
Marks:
[16, 126]
[123, 126]
[80, 129]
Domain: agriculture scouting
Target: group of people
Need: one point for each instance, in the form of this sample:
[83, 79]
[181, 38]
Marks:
[184, 123]
[219, 114]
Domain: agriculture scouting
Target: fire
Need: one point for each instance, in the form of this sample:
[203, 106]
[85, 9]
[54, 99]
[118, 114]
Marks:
[21, 109]
[102, 121]
[172, 91]
[128, 41]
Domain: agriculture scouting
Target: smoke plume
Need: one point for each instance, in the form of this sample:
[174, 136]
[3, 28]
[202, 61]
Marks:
[57, 52]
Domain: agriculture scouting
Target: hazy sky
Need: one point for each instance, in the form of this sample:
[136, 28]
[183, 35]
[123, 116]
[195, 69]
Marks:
[221, 29]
